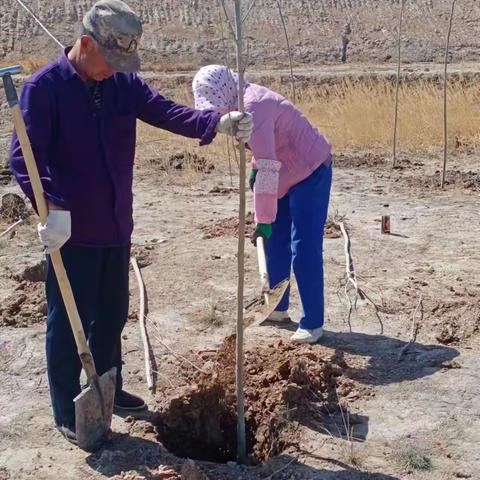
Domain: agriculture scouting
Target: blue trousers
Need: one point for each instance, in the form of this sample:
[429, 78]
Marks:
[297, 239]
[99, 279]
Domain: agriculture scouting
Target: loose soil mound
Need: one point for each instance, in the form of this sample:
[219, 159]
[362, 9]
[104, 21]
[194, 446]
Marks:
[456, 321]
[454, 179]
[25, 306]
[284, 386]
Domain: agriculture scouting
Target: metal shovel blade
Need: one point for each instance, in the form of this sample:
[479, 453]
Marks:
[93, 411]
[261, 308]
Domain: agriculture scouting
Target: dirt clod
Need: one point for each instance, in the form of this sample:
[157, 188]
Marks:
[34, 273]
[228, 227]
[25, 306]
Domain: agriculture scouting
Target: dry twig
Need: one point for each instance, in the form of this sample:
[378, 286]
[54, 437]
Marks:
[11, 227]
[292, 78]
[250, 8]
[232, 30]
[143, 328]
[351, 283]
[175, 354]
[415, 328]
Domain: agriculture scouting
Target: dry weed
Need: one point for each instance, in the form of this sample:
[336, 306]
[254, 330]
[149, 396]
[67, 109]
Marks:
[412, 457]
[354, 115]
[361, 115]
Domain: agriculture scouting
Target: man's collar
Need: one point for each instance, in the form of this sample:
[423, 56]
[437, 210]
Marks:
[67, 70]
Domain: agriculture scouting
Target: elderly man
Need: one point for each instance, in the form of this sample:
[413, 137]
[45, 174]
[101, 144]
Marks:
[81, 112]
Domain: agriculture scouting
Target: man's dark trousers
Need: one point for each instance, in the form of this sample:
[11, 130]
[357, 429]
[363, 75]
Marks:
[99, 279]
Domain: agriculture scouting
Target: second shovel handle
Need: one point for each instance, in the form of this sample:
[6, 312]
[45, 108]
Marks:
[262, 263]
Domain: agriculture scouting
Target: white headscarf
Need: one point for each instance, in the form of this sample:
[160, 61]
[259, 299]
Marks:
[215, 87]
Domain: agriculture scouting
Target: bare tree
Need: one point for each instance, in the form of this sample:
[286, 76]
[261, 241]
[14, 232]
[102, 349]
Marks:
[292, 78]
[241, 437]
[445, 87]
[397, 88]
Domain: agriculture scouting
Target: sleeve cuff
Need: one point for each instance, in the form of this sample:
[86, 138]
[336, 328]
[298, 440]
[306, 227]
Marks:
[268, 164]
[210, 132]
[59, 202]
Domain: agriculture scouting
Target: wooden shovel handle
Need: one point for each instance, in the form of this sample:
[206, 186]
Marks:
[62, 278]
[262, 263]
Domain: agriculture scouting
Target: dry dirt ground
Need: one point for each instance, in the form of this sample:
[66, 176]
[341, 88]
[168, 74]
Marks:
[350, 408]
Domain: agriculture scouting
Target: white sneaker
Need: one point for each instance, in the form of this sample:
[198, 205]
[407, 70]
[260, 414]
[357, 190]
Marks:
[279, 316]
[307, 336]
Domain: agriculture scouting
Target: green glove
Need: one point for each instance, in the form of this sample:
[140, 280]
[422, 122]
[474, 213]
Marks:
[251, 178]
[263, 230]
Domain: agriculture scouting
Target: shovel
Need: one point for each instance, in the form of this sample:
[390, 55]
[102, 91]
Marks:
[94, 405]
[262, 307]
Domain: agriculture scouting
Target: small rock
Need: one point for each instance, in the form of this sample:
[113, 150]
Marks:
[451, 365]
[190, 471]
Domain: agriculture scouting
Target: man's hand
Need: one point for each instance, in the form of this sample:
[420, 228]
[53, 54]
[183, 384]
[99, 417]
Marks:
[236, 124]
[56, 231]
[263, 230]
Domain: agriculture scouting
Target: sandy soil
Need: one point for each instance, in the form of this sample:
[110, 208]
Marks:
[395, 409]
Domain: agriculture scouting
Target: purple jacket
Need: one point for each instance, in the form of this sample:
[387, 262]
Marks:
[85, 159]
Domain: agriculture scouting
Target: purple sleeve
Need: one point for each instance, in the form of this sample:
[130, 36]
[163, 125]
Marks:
[36, 107]
[160, 112]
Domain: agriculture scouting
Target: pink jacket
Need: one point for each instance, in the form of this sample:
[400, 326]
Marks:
[286, 147]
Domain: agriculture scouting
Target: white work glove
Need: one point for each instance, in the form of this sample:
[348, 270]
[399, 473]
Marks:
[236, 124]
[56, 231]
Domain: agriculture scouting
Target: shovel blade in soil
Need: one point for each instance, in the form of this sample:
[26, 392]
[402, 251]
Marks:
[93, 411]
[261, 308]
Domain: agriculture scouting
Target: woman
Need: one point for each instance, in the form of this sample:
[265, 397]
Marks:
[291, 177]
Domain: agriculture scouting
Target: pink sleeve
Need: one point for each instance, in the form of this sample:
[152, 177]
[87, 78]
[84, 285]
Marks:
[262, 141]
[262, 144]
